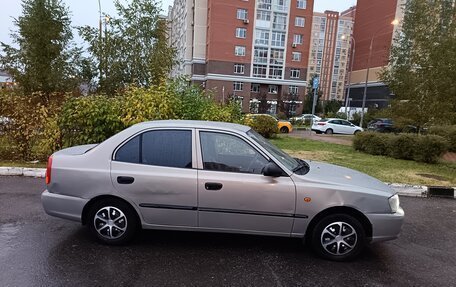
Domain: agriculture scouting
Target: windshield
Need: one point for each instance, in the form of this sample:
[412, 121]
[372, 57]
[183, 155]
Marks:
[281, 156]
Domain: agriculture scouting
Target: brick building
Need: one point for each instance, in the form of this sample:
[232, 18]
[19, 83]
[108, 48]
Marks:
[244, 49]
[373, 22]
[329, 52]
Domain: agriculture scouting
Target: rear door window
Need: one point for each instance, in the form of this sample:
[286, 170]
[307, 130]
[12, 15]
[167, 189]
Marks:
[168, 148]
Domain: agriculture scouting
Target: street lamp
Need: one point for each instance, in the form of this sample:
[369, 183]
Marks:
[395, 22]
[352, 42]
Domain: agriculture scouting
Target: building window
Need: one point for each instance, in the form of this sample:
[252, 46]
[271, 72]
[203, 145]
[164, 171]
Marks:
[239, 50]
[278, 39]
[261, 37]
[241, 33]
[264, 15]
[297, 39]
[273, 89]
[255, 88]
[264, 4]
[260, 55]
[241, 14]
[238, 86]
[275, 72]
[239, 68]
[281, 5]
[302, 4]
[280, 22]
[293, 90]
[276, 57]
[295, 73]
[300, 21]
[296, 56]
[259, 71]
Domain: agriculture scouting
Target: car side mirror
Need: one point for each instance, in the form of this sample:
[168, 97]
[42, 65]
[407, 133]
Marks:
[272, 169]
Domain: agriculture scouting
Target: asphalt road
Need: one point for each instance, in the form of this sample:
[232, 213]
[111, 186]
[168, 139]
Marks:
[38, 250]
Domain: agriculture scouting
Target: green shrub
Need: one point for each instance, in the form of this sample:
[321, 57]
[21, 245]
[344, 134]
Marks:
[371, 143]
[422, 148]
[448, 132]
[263, 124]
[430, 148]
[402, 146]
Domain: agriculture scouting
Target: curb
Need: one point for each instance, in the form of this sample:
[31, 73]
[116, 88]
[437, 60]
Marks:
[401, 189]
[23, 171]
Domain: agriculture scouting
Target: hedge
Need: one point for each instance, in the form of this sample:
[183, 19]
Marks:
[263, 124]
[448, 132]
[422, 148]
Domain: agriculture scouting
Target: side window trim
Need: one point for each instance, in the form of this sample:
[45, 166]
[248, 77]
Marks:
[140, 134]
[199, 146]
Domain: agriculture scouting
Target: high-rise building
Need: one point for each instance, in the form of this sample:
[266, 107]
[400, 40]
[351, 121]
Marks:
[249, 50]
[374, 21]
[328, 57]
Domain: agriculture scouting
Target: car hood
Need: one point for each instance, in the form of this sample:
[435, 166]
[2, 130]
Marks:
[341, 176]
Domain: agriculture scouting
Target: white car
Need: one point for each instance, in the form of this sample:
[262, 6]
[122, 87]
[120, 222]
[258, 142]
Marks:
[335, 126]
[306, 117]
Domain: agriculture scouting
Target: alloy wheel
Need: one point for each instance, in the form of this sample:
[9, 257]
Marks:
[339, 238]
[110, 222]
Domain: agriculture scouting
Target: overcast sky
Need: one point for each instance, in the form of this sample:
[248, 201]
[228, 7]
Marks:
[85, 12]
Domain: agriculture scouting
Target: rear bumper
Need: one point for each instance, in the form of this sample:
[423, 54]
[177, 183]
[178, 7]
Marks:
[386, 226]
[63, 206]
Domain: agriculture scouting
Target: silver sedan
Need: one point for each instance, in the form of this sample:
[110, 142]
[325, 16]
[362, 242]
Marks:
[217, 177]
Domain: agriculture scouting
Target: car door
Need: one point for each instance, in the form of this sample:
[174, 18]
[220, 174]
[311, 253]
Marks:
[336, 126]
[233, 194]
[347, 127]
[156, 170]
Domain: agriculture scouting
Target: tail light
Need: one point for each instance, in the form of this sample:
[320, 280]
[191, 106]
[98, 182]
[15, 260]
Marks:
[321, 123]
[48, 170]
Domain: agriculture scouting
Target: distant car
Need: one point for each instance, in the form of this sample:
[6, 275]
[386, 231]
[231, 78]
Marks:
[382, 125]
[306, 118]
[216, 177]
[335, 126]
[282, 125]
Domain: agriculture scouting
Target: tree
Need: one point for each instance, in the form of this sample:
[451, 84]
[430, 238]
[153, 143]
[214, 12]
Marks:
[332, 106]
[46, 59]
[134, 48]
[422, 71]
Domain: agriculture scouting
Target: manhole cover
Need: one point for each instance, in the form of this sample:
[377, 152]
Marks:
[432, 176]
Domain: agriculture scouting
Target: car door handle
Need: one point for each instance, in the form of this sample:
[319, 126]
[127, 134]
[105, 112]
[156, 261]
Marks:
[213, 186]
[125, 179]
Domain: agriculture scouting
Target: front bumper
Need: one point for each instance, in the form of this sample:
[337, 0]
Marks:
[63, 206]
[386, 226]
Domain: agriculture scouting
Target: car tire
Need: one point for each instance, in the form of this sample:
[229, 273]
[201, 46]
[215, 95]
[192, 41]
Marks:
[113, 221]
[344, 235]
[329, 132]
[284, 130]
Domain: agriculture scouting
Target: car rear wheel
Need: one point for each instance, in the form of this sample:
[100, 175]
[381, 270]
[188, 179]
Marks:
[338, 237]
[356, 132]
[284, 130]
[113, 221]
[329, 132]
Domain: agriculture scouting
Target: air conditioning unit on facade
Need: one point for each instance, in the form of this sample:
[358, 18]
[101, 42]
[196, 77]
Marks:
[293, 45]
[246, 21]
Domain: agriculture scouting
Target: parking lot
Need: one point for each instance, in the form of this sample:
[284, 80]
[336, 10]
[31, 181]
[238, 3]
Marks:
[39, 250]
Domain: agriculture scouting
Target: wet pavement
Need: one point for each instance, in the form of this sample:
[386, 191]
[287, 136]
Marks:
[38, 250]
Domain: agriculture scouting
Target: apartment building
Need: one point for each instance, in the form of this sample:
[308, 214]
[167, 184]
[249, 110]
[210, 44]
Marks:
[329, 52]
[374, 21]
[248, 49]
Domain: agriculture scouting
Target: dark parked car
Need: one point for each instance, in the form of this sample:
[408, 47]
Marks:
[381, 125]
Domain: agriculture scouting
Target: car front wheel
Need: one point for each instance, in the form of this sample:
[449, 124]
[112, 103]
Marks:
[338, 237]
[113, 221]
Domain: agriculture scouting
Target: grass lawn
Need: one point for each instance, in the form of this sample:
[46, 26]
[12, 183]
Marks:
[384, 168]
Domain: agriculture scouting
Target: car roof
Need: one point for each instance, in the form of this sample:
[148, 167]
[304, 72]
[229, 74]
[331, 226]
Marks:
[195, 124]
